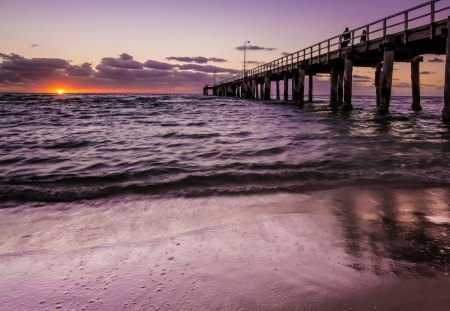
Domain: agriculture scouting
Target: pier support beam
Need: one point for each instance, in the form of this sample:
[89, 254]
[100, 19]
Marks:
[348, 77]
[267, 88]
[254, 89]
[261, 91]
[340, 87]
[301, 86]
[294, 83]
[310, 91]
[386, 76]
[278, 89]
[334, 80]
[230, 90]
[415, 82]
[248, 87]
[378, 84]
[298, 85]
[446, 110]
[286, 87]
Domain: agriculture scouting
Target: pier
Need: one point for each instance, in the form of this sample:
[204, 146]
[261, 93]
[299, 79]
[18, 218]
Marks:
[402, 37]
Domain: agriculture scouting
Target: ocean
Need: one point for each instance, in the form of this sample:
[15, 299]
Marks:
[83, 147]
[185, 202]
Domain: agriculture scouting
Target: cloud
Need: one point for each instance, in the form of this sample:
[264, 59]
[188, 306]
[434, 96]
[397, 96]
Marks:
[125, 68]
[436, 60]
[35, 45]
[198, 59]
[361, 80]
[153, 64]
[123, 73]
[16, 69]
[359, 77]
[254, 48]
[84, 70]
[401, 85]
[426, 72]
[217, 60]
[285, 53]
[208, 69]
[124, 61]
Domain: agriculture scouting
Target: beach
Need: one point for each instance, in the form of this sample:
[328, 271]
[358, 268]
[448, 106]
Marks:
[341, 249]
[181, 202]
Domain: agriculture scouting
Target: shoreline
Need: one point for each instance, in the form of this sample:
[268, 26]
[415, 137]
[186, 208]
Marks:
[326, 250]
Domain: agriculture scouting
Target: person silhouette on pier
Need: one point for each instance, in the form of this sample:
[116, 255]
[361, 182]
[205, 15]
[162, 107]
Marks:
[345, 38]
[364, 36]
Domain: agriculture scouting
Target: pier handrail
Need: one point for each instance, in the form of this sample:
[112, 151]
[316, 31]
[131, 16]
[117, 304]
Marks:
[329, 45]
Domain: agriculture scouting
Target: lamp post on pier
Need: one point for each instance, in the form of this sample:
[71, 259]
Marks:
[245, 47]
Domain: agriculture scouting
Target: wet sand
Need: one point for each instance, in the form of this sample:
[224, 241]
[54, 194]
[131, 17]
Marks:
[351, 248]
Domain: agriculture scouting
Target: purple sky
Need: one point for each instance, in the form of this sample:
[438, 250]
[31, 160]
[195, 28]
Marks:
[169, 46]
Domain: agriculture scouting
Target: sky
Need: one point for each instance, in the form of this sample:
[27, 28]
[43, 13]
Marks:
[175, 46]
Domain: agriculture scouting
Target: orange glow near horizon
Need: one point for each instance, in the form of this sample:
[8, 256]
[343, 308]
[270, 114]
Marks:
[114, 90]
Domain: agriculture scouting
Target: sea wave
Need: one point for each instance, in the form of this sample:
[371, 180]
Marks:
[77, 147]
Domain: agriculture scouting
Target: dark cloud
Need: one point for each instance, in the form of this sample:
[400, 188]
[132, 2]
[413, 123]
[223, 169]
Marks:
[124, 61]
[359, 77]
[285, 53]
[122, 73]
[360, 80]
[16, 69]
[217, 60]
[401, 85]
[207, 69]
[435, 60]
[129, 75]
[254, 48]
[426, 72]
[198, 59]
[84, 70]
[153, 64]
[35, 45]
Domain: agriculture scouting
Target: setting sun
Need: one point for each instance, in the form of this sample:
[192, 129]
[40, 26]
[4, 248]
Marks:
[60, 92]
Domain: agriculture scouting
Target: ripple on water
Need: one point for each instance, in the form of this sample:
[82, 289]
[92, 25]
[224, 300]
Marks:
[218, 144]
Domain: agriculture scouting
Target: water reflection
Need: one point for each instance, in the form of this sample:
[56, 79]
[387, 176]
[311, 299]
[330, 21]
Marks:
[401, 232]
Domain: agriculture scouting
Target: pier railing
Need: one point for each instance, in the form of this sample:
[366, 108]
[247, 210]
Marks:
[421, 15]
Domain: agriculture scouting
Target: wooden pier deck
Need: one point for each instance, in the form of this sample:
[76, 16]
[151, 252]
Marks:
[402, 37]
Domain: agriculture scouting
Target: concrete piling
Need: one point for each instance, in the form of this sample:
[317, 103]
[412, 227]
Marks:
[446, 110]
[334, 80]
[415, 83]
[294, 86]
[278, 89]
[261, 90]
[348, 77]
[254, 89]
[340, 87]
[378, 84]
[286, 87]
[300, 100]
[267, 87]
[386, 76]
